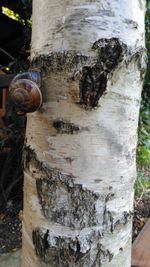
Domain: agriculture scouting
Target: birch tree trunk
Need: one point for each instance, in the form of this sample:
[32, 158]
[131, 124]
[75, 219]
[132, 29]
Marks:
[80, 165]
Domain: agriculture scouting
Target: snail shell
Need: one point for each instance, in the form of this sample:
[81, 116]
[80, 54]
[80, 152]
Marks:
[32, 75]
[24, 92]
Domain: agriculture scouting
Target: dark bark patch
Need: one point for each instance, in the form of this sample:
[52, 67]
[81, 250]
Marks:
[60, 61]
[92, 86]
[92, 77]
[93, 82]
[65, 127]
[97, 180]
[106, 12]
[70, 205]
[57, 250]
[75, 253]
[70, 251]
[40, 242]
[69, 160]
[131, 23]
[108, 220]
[124, 219]
[62, 200]
[127, 215]
[101, 255]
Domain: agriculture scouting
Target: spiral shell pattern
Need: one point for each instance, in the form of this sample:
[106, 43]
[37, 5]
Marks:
[24, 92]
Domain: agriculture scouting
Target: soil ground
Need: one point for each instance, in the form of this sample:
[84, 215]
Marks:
[141, 215]
[10, 228]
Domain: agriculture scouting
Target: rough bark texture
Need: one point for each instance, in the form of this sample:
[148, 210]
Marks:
[80, 151]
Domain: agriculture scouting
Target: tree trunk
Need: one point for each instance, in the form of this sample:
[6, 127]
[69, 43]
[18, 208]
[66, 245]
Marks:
[80, 160]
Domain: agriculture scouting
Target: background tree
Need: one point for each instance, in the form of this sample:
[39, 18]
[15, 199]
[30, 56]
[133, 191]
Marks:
[80, 152]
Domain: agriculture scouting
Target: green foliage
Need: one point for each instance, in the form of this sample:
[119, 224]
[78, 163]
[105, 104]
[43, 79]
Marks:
[142, 185]
[11, 14]
[143, 156]
[143, 149]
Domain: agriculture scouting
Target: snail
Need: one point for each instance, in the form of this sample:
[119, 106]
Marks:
[24, 92]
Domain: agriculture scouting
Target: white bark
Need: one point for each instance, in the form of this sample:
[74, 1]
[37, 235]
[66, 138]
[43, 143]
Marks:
[76, 25]
[83, 162]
